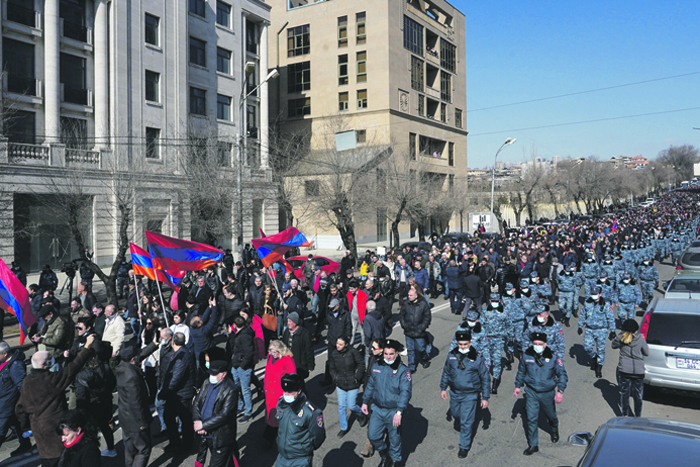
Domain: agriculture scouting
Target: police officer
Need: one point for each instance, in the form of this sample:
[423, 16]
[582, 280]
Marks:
[541, 290]
[589, 268]
[569, 285]
[516, 320]
[599, 322]
[528, 297]
[495, 325]
[301, 429]
[648, 279]
[466, 373]
[628, 297]
[388, 392]
[479, 340]
[545, 323]
[545, 379]
[606, 287]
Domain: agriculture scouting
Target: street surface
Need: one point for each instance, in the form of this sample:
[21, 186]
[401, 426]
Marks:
[428, 439]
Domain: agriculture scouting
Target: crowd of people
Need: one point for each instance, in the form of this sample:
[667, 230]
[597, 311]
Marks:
[188, 364]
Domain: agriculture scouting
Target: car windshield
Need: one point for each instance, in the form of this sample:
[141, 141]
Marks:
[296, 263]
[684, 285]
[620, 446]
[672, 329]
[691, 259]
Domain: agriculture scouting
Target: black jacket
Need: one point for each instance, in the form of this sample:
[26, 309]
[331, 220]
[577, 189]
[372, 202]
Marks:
[340, 325]
[473, 285]
[204, 295]
[302, 350]
[93, 391]
[347, 368]
[180, 375]
[133, 398]
[86, 453]
[240, 348]
[373, 326]
[415, 317]
[384, 307]
[222, 424]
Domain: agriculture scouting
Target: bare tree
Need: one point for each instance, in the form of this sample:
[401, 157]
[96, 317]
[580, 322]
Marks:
[681, 159]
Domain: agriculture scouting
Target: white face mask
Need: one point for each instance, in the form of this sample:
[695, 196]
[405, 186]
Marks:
[212, 379]
[471, 323]
[541, 319]
[389, 362]
[463, 351]
[626, 281]
[207, 365]
[510, 292]
[525, 289]
[595, 297]
[289, 399]
[538, 348]
[494, 304]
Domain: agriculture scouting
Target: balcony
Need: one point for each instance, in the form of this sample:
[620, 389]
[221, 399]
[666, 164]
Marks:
[76, 31]
[82, 156]
[21, 152]
[22, 85]
[432, 55]
[432, 92]
[22, 15]
[78, 96]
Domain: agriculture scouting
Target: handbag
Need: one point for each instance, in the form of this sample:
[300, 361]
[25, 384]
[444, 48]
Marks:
[269, 321]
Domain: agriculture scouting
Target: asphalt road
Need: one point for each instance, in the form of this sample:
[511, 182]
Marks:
[428, 439]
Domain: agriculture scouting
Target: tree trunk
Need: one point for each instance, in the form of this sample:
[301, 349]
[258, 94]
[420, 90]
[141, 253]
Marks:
[461, 220]
[395, 224]
[345, 226]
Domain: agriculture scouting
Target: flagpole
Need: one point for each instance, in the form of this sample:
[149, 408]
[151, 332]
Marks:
[165, 312]
[138, 298]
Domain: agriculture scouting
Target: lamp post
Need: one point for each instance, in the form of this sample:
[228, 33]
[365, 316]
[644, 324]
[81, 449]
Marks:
[507, 142]
[249, 70]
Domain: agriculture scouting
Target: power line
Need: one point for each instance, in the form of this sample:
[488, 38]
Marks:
[554, 125]
[584, 92]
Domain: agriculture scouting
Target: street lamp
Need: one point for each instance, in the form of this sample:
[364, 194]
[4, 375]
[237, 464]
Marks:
[507, 142]
[249, 70]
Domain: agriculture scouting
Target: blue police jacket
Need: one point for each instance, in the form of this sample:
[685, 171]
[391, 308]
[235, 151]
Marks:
[541, 373]
[466, 373]
[389, 386]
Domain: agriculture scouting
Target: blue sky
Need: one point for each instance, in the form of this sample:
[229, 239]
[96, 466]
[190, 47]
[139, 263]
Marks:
[527, 49]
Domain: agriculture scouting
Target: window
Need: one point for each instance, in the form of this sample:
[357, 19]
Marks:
[362, 99]
[343, 101]
[73, 14]
[251, 37]
[18, 62]
[152, 80]
[251, 120]
[298, 77]
[451, 158]
[197, 7]
[445, 86]
[152, 29]
[299, 107]
[22, 127]
[412, 36]
[298, 42]
[361, 28]
[223, 107]
[223, 151]
[458, 118]
[361, 67]
[198, 52]
[451, 183]
[342, 69]
[198, 101]
[448, 52]
[412, 145]
[342, 31]
[416, 73]
[152, 146]
[443, 112]
[312, 187]
[381, 224]
[223, 14]
[73, 78]
[18, 12]
[361, 136]
[74, 133]
[421, 105]
[223, 61]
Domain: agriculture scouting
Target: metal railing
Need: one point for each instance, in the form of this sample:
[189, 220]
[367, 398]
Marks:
[23, 151]
[75, 95]
[75, 31]
[21, 15]
[22, 85]
[82, 156]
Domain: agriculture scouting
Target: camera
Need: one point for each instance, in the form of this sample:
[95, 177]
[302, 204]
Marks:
[70, 269]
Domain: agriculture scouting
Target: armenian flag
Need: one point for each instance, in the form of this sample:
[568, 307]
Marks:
[14, 298]
[174, 254]
[272, 249]
[142, 264]
[614, 227]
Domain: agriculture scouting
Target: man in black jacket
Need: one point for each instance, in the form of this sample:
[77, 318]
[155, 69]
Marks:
[415, 318]
[298, 340]
[473, 291]
[134, 414]
[202, 293]
[214, 415]
[177, 392]
[240, 348]
[339, 324]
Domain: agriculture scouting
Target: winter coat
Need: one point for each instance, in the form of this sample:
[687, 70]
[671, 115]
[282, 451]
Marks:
[180, 375]
[56, 336]
[93, 391]
[205, 293]
[384, 307]
[373, 326]
[421, 277]
[11, 377]
[48, 281]
[415, 318]
[274, 370]
[347, 368]
[631, 355]
[222, 424]
[85, 453]
[240, 348]
[133, 398]
[361, 303]
[473, 286]
[453, 279]
[201, 337]
[255, 298]
[42, 401]
[302, 350]
[114, 332]
[340, 325]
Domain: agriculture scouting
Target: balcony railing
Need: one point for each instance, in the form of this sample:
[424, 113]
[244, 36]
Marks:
[22, 151]
[432, 92]
[76, 31]
[21, 15]
[76, 95]
[23, 85]
[82, 156]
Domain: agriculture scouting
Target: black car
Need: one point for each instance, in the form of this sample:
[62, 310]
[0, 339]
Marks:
[424, 246]
[455, 237]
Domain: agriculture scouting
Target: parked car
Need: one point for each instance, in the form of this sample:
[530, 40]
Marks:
[685, 284]
[690, 259]
[425, 246]
[297, 262]
[671, 327]
[641, 442]
[455, 237]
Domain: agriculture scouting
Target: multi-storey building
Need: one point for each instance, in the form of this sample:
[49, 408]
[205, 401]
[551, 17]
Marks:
[394, 72]
[97, 87]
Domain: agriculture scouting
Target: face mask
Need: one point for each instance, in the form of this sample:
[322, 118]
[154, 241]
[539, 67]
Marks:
[289, 399]
[212, 378]
[463, 351]
[53, 362]
[541, 319]
[494, 304]
[207, 365]
[389, 362]
[595, 297]
[510, 292]
[163, 342]
[538, 348]
[525, 289]
[471, 323]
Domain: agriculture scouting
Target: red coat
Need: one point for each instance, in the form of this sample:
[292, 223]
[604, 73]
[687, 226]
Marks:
[273, 384]
[361, 304]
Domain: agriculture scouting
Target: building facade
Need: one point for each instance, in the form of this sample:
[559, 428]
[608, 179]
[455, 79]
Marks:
[373, 73]
[97, 89]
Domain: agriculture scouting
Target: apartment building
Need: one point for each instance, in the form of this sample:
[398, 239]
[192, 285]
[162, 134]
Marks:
[94, 88]
[383, 72]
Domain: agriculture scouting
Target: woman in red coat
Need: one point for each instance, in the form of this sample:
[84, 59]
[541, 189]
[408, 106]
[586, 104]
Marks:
[279, 363]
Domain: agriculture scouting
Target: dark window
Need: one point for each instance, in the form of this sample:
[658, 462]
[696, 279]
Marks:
[224, 152]
[458, 118]
[18, 12]
[443, 112]
[360, 136]
[251, 121]
[421, 105]
[299, 77]
[342, 31]
[361, 27]
[417, 73]
[445, 86]
[74, 133]
[451, 157]
[299, 107]
[298, 42]
[251, 37]
[73, 78]
[312, 187]
[152, 80]
[18, 63]
[343, 101]
[152, 146]
[223, 107]
[152, 29]
[223, 61]
[342, 69]
[362, 99]
[223, 14]
[691, 259]
[197, 7]
[362, 67]
[21, 128]
[412, 36]
[412, 145]
[381, 224]
[198, 54]
[670, 329]
[73, 14]
[448, 52]
[198, 101]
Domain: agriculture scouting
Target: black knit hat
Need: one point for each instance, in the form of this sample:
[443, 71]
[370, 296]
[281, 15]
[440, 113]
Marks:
[630, 325]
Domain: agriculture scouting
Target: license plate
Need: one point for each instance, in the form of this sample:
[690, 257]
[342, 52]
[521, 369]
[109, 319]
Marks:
[688, 363]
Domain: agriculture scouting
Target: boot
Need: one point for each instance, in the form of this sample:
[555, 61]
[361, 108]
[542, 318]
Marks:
[510, 357]
[598, 370]
[327, 376]
[594, 363]
[369, 449]
[575, 313]
[566, 321]
[384, 458]
[496, 383]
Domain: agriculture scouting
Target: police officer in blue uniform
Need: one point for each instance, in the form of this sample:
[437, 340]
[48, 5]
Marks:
[466, 373]
[597, 318]
[388, 391]
[628, 297]
[648, 279]
[301, 429]
[570, 283]
[496, 324]
[545, 379]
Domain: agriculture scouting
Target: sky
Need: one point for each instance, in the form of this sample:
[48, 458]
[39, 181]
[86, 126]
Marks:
[524, 50]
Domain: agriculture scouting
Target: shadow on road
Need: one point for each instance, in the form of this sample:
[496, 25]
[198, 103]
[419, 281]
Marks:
[413, 436]
[578, 353]
[671, 398]
[344, 455]
[611, 394]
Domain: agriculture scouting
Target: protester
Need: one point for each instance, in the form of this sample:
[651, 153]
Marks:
[347, 369]
[80, 438]
[630, 369]
[12, 375]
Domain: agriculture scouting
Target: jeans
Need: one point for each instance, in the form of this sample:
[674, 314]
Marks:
[355, 318]
[160, 408]
[631, 387]
[455, 299]
[347, 400]
[242, 378]
[467, 304]
[413, 345]
[314, 304]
